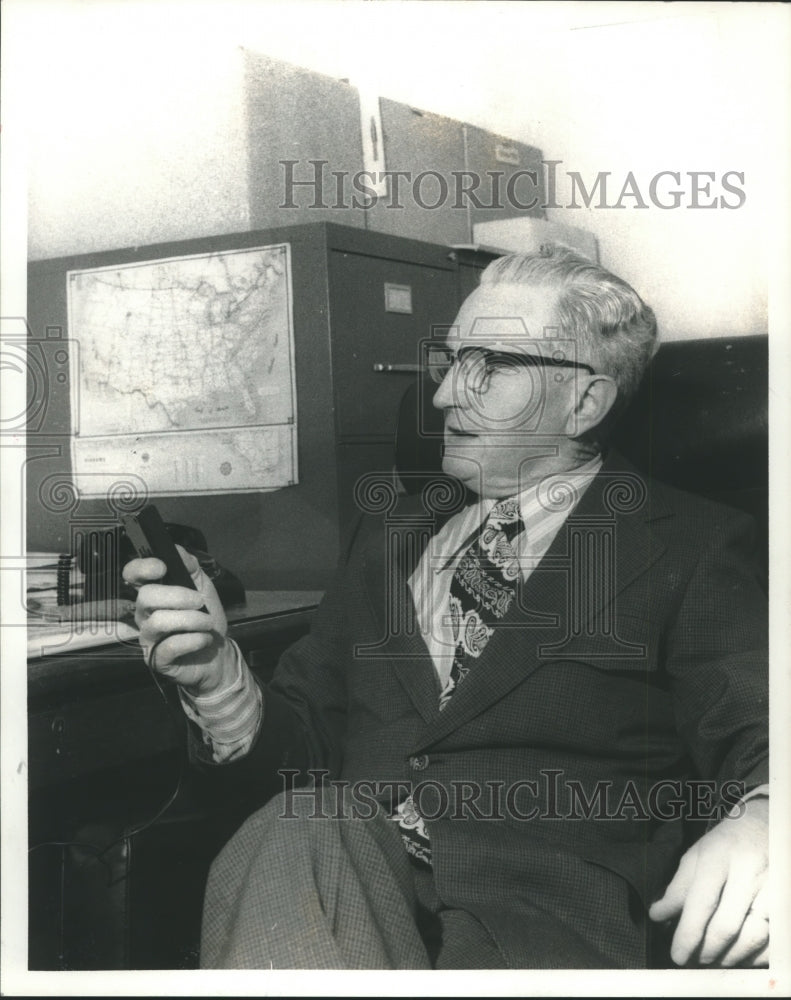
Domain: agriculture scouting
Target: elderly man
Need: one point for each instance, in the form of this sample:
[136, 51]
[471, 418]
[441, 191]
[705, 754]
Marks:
[504, 730]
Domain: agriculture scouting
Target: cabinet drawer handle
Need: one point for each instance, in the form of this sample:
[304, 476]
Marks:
[397, 368]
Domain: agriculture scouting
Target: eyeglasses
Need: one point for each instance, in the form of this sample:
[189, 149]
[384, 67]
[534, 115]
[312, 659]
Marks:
[479, 364]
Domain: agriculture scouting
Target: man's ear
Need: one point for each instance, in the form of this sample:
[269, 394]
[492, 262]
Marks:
[593, 405]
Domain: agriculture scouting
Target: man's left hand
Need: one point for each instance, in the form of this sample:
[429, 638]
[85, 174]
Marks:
[719, 894]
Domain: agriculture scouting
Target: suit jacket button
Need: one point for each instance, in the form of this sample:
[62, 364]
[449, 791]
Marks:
[419, 763]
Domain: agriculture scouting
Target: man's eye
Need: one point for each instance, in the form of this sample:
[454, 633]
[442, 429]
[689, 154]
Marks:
[500, 365]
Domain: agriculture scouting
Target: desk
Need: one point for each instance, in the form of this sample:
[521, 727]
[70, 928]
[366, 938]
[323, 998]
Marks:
[105, 753]
[92, 703]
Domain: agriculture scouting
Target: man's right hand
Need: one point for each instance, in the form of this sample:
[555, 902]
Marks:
[179, 640]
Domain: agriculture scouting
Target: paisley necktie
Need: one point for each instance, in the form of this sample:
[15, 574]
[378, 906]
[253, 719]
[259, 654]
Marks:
[482, 589]
[481, 592]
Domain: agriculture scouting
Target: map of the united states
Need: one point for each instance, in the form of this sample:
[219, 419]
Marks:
[186, 371]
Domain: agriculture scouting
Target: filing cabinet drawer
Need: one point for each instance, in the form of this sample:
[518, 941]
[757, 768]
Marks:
[368, 332]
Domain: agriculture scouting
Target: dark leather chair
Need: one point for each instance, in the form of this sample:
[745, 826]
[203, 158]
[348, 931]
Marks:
[700, 422]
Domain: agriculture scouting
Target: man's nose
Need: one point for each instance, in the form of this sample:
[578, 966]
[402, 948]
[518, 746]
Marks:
[442, 394]
[449, 393]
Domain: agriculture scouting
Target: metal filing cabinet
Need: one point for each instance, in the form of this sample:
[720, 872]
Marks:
[361, 301]
[387, 295]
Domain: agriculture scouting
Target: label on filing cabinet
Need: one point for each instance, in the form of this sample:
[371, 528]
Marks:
[398, 298]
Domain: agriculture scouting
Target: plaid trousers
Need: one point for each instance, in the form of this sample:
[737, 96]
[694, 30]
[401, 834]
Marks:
[299, 888]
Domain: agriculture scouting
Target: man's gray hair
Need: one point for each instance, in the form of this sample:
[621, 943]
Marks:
[614, 329]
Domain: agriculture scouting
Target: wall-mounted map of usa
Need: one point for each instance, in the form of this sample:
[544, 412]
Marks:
[186, 373]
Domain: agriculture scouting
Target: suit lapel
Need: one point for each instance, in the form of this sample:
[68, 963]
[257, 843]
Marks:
[388, 566]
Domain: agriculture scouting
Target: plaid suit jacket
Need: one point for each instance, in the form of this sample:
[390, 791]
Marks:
[559, 776]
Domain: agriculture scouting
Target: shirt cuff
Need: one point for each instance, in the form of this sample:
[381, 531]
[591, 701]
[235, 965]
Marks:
[228, 719]
[754, 793]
